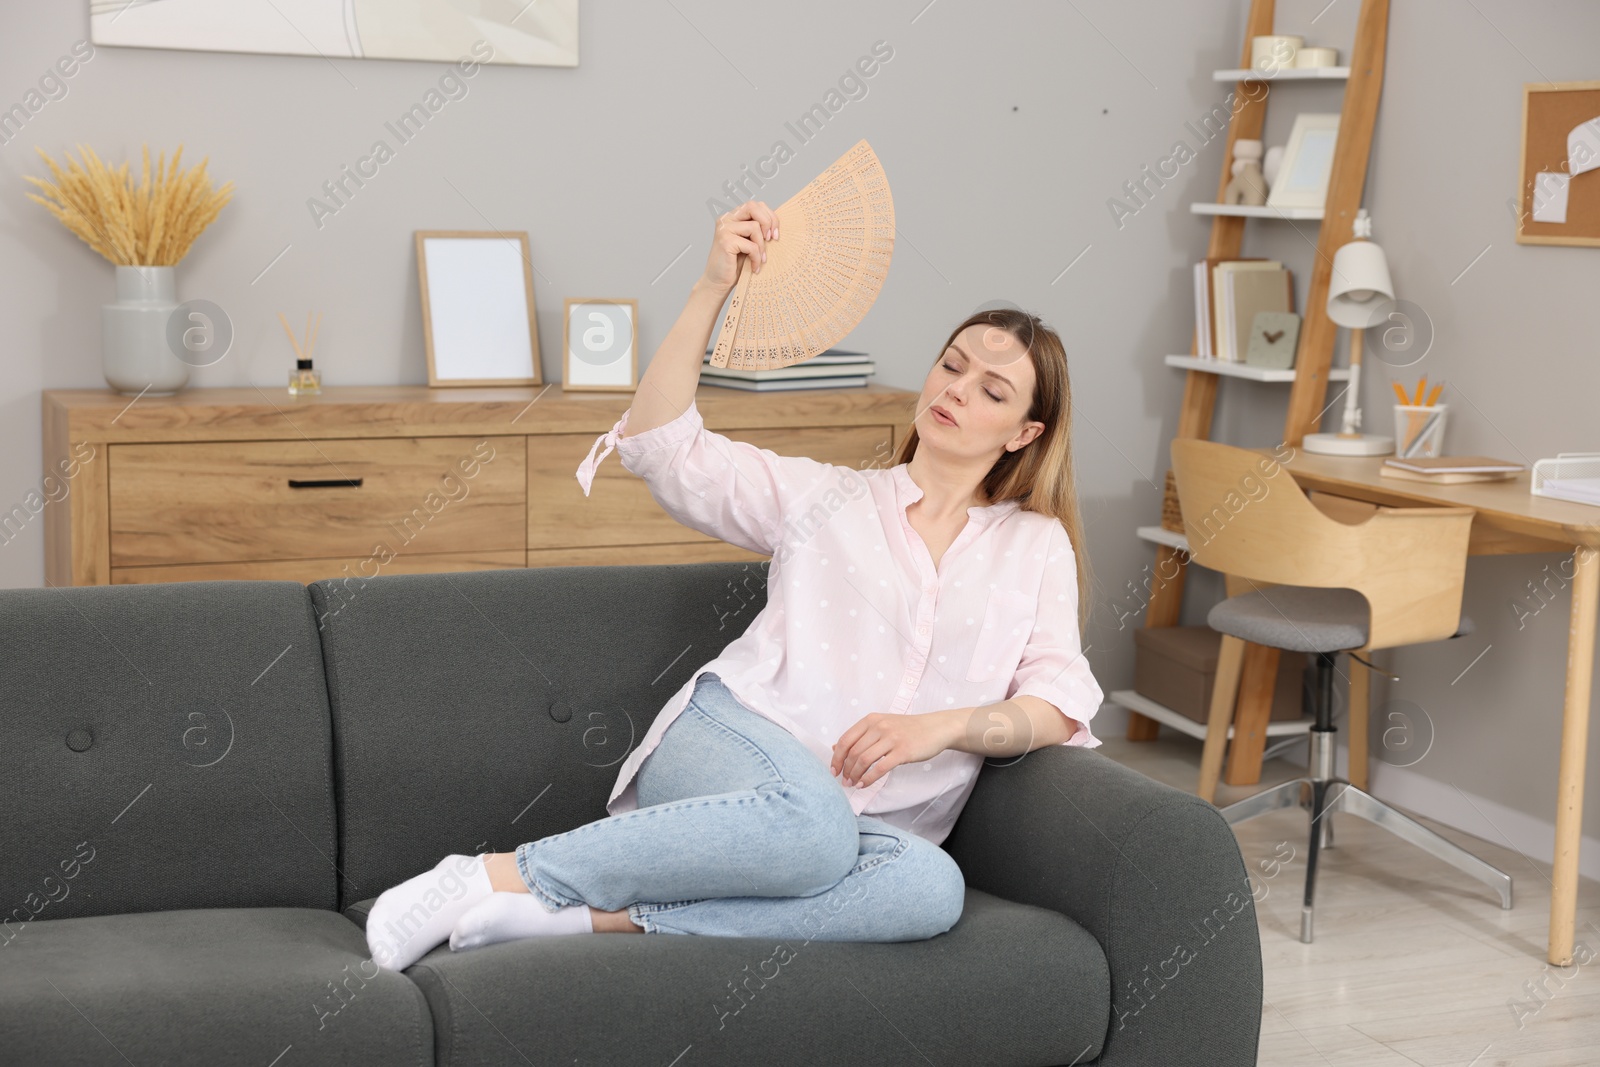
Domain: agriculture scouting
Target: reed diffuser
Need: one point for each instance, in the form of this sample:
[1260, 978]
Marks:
[304, 380]
[144, 230]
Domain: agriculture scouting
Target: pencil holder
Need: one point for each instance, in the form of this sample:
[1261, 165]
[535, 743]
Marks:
[1418, 430]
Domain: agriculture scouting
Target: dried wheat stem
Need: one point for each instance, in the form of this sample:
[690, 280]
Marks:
[151, 224]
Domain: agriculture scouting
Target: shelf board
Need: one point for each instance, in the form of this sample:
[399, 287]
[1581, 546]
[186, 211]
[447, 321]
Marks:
[1254, 211]
[1183, 724]
[1231, 369]
[1163, 536]
[1293, 74]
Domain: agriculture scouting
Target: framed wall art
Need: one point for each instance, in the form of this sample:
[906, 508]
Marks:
[523, 34]
[600, 337]
[478, 318]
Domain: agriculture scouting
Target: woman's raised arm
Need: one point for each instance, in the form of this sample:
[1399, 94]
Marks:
[732, 490]
[668, 385]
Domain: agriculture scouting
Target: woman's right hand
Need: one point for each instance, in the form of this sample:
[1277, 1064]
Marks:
[740, 233]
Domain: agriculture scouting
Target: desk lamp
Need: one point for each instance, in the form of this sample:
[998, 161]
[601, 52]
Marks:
[1356, 294]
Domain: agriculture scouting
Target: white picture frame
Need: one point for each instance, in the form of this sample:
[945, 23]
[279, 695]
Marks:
[1302, 178]
[600, 344]
[478, 319]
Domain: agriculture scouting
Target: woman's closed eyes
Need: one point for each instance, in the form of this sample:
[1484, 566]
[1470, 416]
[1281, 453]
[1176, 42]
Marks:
[991, 395]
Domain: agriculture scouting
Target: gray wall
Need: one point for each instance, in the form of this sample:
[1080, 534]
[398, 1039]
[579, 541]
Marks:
[1005, 129]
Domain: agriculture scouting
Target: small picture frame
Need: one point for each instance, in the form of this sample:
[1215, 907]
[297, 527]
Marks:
[600, 339]
[1302, 178]
[478, 318]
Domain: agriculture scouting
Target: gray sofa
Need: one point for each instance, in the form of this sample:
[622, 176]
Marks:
[210, 783]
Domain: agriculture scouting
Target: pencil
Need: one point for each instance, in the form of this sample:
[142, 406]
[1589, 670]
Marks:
[1433, 397]
[1412, 433]
[1400, 392]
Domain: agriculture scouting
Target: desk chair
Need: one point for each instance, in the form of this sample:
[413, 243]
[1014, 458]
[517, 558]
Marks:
[1324, 586]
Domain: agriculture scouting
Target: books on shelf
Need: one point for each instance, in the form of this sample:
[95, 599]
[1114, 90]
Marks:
[1202, 320]
[1204, 336]
[1448, 470]
[1227, 295]
[832, 369]
[1246, 291]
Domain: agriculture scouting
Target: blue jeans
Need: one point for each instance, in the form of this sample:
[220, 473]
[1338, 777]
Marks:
[742, 832]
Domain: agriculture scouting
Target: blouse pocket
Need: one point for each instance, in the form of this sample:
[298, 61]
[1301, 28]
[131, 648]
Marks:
[1007, 624]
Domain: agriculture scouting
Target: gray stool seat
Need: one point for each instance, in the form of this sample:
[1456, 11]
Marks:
[1300, 618]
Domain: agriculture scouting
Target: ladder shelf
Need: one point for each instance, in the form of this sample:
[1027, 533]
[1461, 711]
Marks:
[1312, 370]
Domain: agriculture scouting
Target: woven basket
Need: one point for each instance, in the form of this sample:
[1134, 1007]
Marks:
[1171, 516]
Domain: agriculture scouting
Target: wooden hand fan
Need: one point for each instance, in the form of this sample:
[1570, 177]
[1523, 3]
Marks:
[835, 239]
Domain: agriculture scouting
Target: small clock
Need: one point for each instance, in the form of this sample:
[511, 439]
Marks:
[1273, 336]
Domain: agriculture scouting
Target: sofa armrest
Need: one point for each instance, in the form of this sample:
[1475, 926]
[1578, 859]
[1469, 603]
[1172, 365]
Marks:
[1153, 873]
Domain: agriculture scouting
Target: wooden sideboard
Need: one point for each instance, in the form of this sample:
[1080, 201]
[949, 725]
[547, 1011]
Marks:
[366, 480]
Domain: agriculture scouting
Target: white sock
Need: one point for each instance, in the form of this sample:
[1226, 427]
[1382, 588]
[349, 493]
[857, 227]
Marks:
[509, 916]
[414, 916]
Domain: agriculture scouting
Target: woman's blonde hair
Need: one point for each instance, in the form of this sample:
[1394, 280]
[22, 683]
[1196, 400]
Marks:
[1039, 475]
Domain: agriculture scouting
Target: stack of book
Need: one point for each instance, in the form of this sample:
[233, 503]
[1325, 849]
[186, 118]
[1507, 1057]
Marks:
[1451, 469]
[1227, 295]
[831, 369]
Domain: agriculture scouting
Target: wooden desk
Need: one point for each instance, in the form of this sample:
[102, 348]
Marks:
[1509, 520]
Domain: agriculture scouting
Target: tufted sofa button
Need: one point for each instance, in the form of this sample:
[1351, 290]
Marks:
[560, 711]
[80, 739]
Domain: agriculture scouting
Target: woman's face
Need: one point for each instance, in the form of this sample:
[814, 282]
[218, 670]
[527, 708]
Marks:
[984, 382]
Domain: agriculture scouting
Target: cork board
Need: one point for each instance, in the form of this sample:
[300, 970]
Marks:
[1551, 113]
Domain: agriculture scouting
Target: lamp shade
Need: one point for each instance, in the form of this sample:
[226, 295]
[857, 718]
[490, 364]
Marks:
[1360, 284]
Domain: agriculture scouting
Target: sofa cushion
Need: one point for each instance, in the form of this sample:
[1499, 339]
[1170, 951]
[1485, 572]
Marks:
[164, 746]
[1009, 983]
[206, 986]
[476, 711]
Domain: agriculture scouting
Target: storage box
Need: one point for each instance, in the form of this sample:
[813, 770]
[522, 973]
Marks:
[1176, 666]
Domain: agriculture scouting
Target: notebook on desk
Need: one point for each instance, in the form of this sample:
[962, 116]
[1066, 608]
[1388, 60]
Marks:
[1447, 470]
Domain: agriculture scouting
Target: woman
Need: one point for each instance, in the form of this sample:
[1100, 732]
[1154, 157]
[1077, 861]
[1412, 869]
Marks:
[918, 618]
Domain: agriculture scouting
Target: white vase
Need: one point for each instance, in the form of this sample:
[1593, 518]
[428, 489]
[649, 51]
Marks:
[136, 355]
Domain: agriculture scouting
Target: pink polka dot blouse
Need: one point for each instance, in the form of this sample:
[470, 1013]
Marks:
[857, 619]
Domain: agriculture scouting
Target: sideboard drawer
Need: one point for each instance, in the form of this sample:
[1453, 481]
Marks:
[619, 509]
[234, 501]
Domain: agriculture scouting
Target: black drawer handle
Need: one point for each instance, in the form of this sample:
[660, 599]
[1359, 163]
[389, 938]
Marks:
[324, 483]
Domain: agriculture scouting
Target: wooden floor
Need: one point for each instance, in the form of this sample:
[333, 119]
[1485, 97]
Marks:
[1413, 962]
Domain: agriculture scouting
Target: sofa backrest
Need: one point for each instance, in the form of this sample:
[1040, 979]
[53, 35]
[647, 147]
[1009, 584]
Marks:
[475, 711]
[163, 747]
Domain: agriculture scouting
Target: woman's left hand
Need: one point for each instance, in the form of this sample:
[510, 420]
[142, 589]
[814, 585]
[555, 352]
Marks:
[880, 742]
